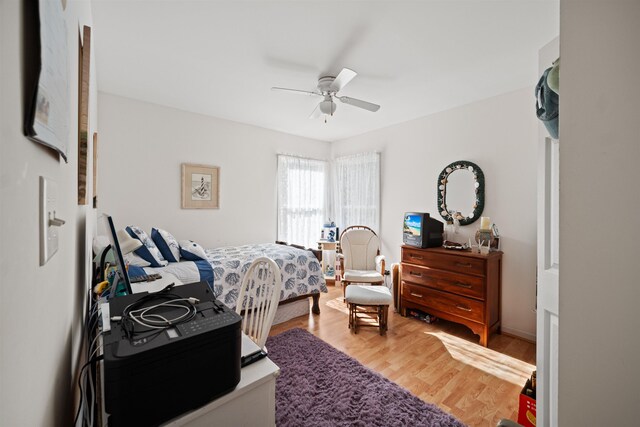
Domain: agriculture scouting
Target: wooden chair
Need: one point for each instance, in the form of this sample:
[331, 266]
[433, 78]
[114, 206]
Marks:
[361, 262]
[360, 256]
[258, 298]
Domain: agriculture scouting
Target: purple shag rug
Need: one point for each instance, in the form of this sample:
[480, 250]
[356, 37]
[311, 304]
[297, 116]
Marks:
[319, 385]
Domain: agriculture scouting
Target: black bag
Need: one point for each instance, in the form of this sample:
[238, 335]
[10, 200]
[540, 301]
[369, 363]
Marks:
[547, 105]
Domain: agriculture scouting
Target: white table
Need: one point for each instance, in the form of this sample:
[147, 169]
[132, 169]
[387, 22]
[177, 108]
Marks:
[252, 403]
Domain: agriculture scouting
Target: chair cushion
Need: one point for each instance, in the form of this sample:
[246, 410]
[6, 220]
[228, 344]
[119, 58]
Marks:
[363, 276]
[368, 295]
[360, 248]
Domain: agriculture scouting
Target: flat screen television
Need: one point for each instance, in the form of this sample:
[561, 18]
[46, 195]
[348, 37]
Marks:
[422, 231]
[121, 271]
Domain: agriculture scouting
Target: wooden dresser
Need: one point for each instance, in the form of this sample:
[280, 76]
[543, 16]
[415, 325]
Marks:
[454, 285]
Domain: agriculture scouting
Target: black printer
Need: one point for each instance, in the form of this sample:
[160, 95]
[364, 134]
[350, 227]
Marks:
[153, 375]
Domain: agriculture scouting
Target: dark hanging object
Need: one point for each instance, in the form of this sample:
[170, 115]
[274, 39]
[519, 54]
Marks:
[547, 105]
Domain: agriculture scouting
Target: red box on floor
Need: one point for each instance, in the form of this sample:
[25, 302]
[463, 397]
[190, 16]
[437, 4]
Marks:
[527, 408]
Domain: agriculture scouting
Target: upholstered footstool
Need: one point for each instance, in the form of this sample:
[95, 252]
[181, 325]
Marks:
[365, 299]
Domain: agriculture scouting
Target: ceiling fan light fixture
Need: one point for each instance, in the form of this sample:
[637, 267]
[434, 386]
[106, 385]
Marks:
[328, 107]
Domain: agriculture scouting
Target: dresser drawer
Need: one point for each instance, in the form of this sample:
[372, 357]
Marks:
[461, 284]
[454, 262]
[443, 301]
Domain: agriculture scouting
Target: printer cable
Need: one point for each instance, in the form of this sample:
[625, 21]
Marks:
[84, 401]
[144, 316]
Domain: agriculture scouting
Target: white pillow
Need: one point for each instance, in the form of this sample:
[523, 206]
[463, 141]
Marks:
[133, 259]
[192, 251]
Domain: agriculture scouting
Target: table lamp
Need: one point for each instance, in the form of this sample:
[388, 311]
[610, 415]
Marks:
[127, 243]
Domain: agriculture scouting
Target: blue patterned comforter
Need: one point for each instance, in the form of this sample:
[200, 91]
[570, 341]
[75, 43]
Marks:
[301, 271]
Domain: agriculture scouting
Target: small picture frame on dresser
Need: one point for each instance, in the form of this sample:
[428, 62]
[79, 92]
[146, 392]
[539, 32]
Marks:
[495, 244]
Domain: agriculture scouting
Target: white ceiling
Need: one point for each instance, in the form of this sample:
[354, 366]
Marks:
[220, 58]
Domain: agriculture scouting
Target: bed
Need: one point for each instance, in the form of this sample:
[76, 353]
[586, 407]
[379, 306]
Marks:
[225, 267]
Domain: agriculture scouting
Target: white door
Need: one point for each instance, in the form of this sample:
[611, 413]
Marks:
[548, 265]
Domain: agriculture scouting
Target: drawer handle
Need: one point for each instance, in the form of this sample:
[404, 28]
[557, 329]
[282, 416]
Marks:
[463, 264]
[416, 295]
[413, 273]
[462, 307]
[462, 285]
[415, 256]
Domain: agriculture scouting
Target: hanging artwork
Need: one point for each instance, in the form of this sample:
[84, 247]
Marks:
[84, 61]
[47, 116]
[200, 186]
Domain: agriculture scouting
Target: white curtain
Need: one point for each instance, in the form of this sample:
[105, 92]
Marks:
[357, 190]
[302, 199]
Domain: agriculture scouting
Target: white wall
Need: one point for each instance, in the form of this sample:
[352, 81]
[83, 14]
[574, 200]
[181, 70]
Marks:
[40, 307]
[599, 204]
[142, 146]
[499, 135]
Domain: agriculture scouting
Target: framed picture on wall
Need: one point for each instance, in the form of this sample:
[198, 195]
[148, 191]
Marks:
[47, 75]
[200, 186]
[84, 61]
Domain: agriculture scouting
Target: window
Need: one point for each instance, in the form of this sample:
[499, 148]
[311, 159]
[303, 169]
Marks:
[302, 199]
[357, 190]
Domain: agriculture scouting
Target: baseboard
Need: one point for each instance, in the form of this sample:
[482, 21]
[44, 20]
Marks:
[516, 333]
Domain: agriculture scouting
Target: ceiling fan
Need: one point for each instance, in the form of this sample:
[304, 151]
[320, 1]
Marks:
[328, 88]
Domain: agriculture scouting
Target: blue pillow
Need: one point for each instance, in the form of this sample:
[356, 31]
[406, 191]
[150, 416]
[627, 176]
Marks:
[148, 251]
[167, 244]
[192, 251]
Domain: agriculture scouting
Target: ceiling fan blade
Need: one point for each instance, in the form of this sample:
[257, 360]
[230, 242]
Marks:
[316, 113]
[343, 78]
[296, 91]
[359, 103]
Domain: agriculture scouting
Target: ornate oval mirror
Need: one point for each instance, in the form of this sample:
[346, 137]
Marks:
[461, 189]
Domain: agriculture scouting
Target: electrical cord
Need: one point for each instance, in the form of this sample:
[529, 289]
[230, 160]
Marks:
[80, 377]
[87, 377]
[89, 409]
[144, 317]
[210, 286]
[95, 352]
[88, 392]
[138, 313]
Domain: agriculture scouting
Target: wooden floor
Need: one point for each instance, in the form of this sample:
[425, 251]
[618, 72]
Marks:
[440, 363]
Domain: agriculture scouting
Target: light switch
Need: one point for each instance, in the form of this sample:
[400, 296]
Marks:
[49, 221]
